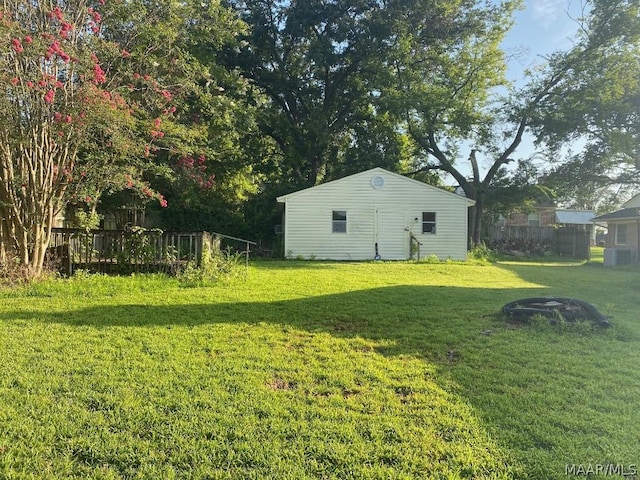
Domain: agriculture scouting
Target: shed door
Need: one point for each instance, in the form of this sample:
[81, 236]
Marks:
[391, 234]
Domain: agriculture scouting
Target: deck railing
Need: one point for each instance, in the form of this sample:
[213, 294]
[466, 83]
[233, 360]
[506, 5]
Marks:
[135, 250]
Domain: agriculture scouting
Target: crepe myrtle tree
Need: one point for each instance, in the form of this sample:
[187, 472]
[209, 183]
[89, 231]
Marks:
[60, 110]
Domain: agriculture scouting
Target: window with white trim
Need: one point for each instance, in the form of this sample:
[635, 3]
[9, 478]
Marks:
[533, 219]
[339, 221]
[428, 222]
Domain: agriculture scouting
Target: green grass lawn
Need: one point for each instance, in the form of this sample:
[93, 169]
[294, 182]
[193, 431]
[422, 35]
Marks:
[319, 370]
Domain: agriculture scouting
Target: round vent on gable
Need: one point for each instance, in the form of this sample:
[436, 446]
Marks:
[377, 181]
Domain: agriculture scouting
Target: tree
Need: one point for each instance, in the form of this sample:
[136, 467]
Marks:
[322, 64]
[598, 107]
[445, 97]
[562, 101]
[205, 157]
[55, 93]
[107, 98]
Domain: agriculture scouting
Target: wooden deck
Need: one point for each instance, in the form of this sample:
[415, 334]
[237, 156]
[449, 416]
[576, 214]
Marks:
[138, 250]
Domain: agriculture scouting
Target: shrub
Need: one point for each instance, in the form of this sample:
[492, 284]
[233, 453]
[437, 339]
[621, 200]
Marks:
[13, 273]
[482, 253]
[216, 266]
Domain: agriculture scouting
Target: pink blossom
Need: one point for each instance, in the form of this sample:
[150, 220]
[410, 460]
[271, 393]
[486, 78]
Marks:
[98, 75]
[49, 96]
[68, 119]
[166, 94]
[125, 54]
[56, 13]
[15, 80]
[157, 122]
[17, 46]
[57, 116]
[29, 84]
[97, 18]
[28, 39]
[65, 29]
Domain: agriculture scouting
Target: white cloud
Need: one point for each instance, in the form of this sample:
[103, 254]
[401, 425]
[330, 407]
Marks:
[547, 12]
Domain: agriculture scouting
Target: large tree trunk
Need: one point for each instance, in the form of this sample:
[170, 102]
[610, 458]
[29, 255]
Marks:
[475, 227]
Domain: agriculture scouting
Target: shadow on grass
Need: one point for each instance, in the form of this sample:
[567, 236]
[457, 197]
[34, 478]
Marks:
[424, 320]
[444, 325]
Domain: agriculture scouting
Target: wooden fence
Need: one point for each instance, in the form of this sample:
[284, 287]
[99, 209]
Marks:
[564, 241]
[135, 250]
[535, 234]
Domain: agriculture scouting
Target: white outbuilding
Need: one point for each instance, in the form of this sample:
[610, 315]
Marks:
[375, 214]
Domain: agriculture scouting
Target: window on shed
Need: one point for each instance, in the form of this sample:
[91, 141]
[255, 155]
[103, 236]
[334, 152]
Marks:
[621, 234]
[339, 223]
[428, 222]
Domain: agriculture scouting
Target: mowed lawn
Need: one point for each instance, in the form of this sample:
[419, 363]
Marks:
[320, 370]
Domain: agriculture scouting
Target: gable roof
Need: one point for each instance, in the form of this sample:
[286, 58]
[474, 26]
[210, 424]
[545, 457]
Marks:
[624, 214]
[575, 217]
[633, 202]
[379, 170]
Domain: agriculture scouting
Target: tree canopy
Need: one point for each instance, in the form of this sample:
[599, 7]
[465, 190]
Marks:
[212, 110]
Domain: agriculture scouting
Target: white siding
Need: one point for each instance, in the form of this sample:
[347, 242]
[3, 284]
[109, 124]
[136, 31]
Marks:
[384, 215]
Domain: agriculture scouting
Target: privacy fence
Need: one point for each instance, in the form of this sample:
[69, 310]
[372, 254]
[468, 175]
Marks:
[535, 241]
[137, 249]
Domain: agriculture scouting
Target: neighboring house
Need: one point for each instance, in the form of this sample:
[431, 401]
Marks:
[622, 246]
[551, 216]
[539, 217]
[375, 214]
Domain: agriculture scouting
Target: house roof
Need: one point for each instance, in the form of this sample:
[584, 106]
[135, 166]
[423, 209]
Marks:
[624, 214]
[378, 170]
[575, 217]
[633, 202]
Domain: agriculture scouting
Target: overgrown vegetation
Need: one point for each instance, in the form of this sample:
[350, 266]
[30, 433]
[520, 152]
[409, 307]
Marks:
[318, 370]
[217, 266]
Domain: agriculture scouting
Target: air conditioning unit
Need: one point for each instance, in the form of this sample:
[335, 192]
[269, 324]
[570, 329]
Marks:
[617, 256]
[623, 257]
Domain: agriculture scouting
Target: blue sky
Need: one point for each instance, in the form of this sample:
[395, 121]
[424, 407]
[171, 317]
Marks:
[542, 27]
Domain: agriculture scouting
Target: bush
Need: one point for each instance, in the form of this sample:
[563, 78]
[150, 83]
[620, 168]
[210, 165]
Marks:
[521, 247]
[482, 253]
[13, 273]
[216, 266]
